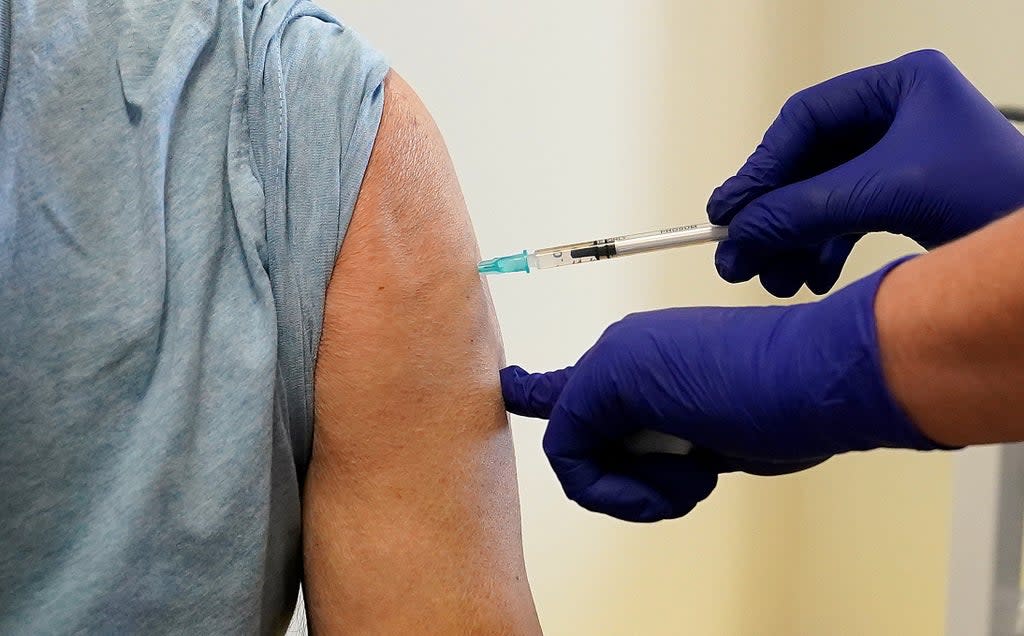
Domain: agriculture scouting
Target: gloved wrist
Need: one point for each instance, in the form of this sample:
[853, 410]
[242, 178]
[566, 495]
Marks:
[855, 399]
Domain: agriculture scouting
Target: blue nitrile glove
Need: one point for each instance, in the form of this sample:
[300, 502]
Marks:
[909, 147]
[765, 390]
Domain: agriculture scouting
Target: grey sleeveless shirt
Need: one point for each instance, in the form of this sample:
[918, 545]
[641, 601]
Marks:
[176, 178]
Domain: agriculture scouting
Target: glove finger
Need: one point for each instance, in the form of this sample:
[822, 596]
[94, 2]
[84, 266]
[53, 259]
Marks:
[681, 481]
[831, 259]
[736, 264]
[817, 129]
[572, 446]
[585, 428]
[757, 176]
[642, 488]
[851, 199]
[532, 394]
[786, 272]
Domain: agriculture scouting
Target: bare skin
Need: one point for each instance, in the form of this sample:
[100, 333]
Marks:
[411, 514]
[951, 336]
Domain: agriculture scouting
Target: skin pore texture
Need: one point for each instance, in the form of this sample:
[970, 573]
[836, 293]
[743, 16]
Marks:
[951, 332]
[411, 513]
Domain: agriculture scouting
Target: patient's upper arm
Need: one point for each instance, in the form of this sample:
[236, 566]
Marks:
[411, 514]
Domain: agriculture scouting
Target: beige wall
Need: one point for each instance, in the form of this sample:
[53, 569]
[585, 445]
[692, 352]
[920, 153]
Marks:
[571, 119]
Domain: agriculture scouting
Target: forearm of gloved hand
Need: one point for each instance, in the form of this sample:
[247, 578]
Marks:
[951, 335]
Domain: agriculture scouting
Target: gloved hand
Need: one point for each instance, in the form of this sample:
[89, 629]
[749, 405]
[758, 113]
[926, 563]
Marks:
[761, 389]
[908, 147]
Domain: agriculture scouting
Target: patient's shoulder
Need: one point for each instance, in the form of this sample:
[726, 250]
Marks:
[412, 477]
[406, 280]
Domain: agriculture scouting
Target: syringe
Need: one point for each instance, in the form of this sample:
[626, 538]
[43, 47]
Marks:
[601, 249]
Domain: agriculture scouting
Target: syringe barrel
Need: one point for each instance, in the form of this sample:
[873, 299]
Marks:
[671, 237]
[575, 253]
